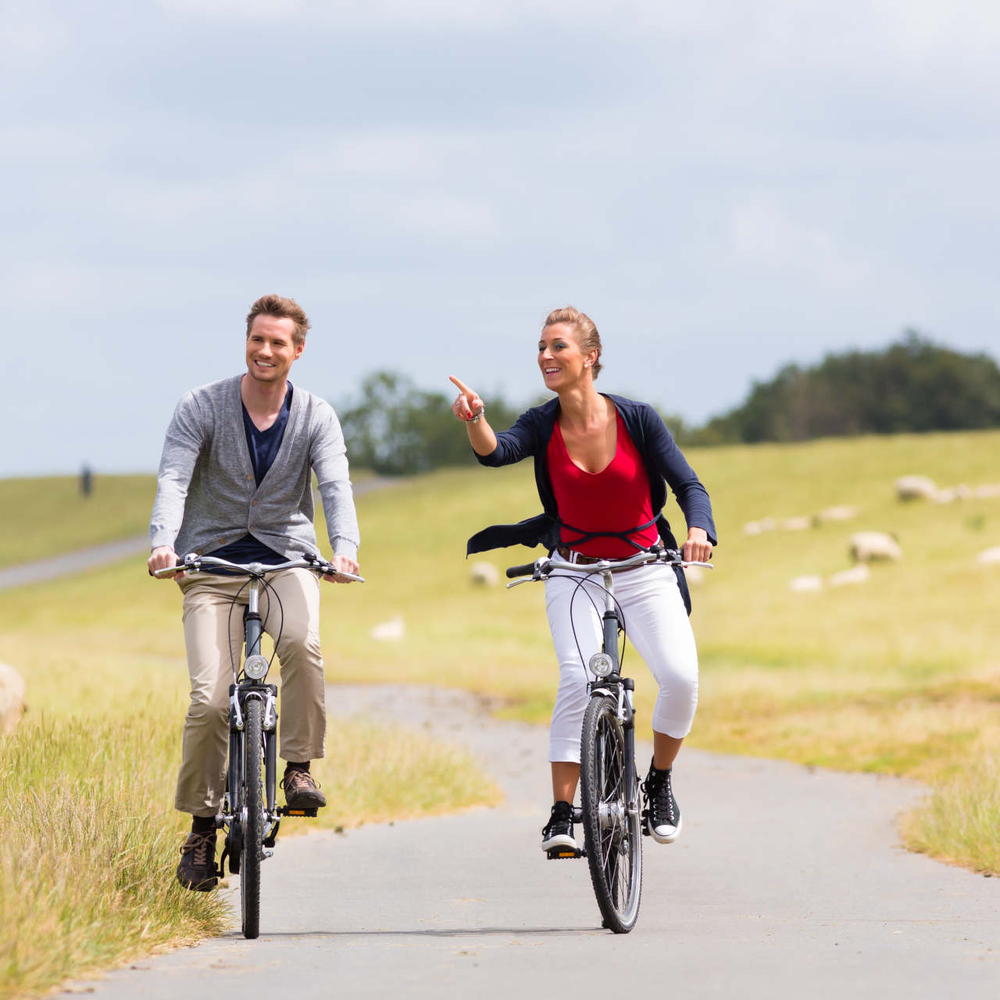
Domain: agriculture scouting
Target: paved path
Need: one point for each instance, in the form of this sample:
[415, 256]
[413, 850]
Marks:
[72, 562]
[786, 883]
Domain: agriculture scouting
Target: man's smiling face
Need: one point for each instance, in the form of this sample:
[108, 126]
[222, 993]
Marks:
[271, 348]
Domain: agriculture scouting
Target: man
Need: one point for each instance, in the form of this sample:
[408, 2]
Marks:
[235, 481]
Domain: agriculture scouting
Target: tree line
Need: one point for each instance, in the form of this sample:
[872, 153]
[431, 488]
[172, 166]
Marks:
[396, 428]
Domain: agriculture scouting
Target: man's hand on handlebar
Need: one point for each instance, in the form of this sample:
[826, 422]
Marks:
[342, 564]
[163, 557]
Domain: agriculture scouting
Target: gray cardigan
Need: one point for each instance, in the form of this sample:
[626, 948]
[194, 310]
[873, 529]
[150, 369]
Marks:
[206, 495]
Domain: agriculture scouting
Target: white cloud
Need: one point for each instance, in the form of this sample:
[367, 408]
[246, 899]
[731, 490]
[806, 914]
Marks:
[764, 235]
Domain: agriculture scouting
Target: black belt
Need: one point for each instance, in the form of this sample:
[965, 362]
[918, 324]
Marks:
[574, 557]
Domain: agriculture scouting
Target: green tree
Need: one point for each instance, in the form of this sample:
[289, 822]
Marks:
[397, 429]
[913, 385]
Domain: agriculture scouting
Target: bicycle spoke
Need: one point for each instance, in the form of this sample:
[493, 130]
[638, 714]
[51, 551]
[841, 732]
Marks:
[614, 852]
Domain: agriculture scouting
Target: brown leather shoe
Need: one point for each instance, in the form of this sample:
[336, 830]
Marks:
[197, 868]
[300, 790]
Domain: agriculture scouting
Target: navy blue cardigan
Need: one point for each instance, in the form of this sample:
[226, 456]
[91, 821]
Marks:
[663, 460]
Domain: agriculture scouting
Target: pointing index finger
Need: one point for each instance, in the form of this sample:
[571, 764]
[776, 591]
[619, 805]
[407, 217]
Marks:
[462, 388]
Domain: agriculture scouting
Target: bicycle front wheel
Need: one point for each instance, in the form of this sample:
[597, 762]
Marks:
[252, 848]
[612, 828]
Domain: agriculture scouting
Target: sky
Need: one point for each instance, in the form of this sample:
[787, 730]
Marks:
[723, 187]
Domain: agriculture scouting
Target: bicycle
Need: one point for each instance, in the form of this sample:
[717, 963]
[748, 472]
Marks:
[249, 815]
[613, 818]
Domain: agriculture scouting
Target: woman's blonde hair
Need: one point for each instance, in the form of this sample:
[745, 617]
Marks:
[586, 331]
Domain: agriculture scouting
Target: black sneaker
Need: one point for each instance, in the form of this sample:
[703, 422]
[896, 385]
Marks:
[197, 868]
[663, 816]
[300, 789]
[558, 832]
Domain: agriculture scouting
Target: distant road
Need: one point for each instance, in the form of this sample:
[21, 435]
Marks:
[111, 552]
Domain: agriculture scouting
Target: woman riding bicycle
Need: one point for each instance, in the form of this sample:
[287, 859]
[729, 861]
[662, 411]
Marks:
[601, 465]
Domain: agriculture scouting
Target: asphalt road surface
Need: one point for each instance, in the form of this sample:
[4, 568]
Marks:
[787, 882]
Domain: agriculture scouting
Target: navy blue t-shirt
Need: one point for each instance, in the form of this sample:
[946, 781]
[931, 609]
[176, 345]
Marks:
[263, 447]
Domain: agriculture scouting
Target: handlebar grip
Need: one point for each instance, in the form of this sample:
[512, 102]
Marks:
[528, 569]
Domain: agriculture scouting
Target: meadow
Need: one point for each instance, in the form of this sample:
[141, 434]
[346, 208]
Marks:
[899, 675]
[46, 516]
[88, 833]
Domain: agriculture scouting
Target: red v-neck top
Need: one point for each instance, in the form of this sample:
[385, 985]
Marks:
[615, 499]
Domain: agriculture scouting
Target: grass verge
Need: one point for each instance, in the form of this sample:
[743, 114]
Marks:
[88, 834]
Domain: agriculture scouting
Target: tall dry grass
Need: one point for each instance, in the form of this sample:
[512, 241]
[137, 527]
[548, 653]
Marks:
[88, 835]
[88, 844]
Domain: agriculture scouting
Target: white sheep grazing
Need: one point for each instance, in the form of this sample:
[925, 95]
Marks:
[805, 584]
[988, 491]
[952, 493]
[12, 689]
[989, 557]
[847, 577]
[842, 512]
[484, 574]
[915, 488]
[869, 546]
[394, 630]
[797, 523]
[759, 527]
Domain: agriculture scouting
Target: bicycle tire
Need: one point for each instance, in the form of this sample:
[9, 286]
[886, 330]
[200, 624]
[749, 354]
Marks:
[252, 848]
[613, 831]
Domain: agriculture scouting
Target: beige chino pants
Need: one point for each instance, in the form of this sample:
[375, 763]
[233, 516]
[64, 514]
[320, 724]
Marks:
[213, 631]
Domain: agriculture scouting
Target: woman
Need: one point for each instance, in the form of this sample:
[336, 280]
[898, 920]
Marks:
[601, 463]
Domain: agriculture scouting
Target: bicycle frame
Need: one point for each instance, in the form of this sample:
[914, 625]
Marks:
[618, 687]
[239, 692]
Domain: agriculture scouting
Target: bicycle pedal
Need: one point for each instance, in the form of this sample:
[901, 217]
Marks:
[561, 853]
[289, 811]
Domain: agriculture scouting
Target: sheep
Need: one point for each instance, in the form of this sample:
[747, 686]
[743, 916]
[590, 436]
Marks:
[846, 577]
[797, 523]
[915, 488]
[842, 512]
[869, 546]
[484, 574]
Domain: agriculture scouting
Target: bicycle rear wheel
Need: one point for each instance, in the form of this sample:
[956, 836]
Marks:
[613, 833]
[252, 849]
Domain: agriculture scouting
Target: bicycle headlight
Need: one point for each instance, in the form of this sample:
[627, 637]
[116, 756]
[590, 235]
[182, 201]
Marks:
[601, 664]
[255, 667]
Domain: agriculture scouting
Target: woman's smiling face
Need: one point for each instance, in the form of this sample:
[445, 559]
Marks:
[560, 359]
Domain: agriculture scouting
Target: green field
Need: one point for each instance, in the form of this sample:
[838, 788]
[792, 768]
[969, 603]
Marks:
[88, 834]
[899, 675]
[44, 517]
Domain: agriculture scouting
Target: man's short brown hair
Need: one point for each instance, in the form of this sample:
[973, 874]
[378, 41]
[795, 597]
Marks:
[282, 308]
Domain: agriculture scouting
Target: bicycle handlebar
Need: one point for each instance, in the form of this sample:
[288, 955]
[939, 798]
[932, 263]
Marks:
[524, 570]
[193, 563]
[544, 567]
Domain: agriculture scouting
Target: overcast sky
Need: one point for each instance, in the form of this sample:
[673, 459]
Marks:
[723, 187]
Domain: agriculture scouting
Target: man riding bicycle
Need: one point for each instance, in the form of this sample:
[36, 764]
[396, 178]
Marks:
[235, 482]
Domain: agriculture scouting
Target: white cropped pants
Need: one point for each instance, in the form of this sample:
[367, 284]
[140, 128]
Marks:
[657, 624]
